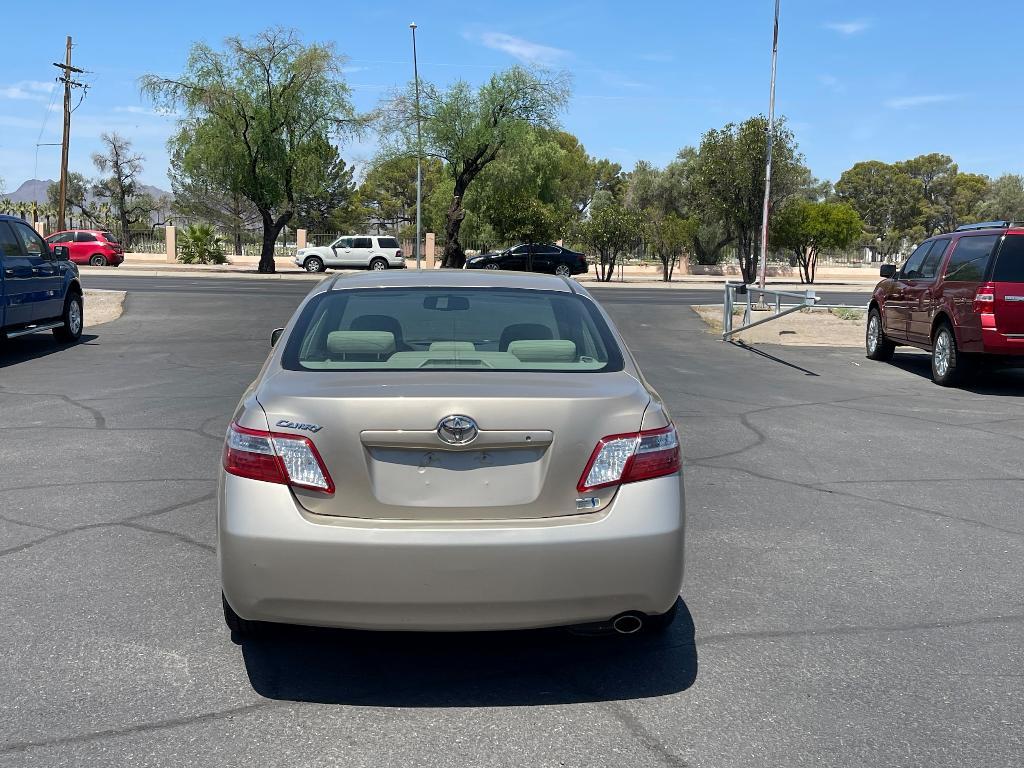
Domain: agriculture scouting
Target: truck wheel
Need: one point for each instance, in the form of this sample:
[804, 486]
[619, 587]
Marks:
[950, 367]
[878, 347]
[72, 316]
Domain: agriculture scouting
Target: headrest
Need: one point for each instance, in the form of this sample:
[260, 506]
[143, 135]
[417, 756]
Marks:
[452, 346]
[544, 350]
[360, 342]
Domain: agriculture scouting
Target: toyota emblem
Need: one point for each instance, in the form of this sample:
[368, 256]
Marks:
[457, 430]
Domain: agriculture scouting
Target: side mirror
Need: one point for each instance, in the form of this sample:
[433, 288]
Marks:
[275, 335]
[887, 270]
[59, 252]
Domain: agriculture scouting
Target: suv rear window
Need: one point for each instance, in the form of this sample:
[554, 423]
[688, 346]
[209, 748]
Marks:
[362, 242]
[451, 329]
[1010, 264]
[970, 258]
[387, 242]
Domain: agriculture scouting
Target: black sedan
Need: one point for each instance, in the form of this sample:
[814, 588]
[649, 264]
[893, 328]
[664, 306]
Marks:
[533, 257]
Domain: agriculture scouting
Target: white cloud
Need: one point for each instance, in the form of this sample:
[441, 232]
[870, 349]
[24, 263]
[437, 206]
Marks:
[831, 82]
[848, 28]
[137, 110]
[909, 102]
[31, 90]
[524, 50]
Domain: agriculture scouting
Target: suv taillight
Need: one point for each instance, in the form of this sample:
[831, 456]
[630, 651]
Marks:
[985, 299]
[634, 456]
[275, 458]
[399, 254]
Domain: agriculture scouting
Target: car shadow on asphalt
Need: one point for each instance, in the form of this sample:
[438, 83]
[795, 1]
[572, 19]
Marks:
[33, 346]
[477, 669]
[987, 381]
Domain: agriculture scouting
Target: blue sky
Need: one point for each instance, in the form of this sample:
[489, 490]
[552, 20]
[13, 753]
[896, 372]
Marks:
[857, 80]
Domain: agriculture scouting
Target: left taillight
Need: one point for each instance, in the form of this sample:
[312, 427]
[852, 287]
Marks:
[630, 457]
[275, 458]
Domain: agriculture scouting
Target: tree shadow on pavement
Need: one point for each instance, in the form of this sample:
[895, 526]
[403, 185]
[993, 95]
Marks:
[35, 345]
[478, 669]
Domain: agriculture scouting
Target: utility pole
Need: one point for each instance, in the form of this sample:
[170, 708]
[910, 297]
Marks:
[419, 146]
[65, 78]
[763, 266]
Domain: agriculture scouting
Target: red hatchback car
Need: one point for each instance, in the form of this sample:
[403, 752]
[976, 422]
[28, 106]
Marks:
[90, 246]
[959, 296]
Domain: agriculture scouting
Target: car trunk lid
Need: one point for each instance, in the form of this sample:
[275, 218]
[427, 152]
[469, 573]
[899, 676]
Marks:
[380, 440]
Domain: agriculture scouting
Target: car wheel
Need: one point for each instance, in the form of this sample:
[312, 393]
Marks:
[73, 319]
[949, 366]
[98, 260]
[378, 265]
[240, 628]
[313, 264]
[562, 270]
[877, 345]
[492, 265]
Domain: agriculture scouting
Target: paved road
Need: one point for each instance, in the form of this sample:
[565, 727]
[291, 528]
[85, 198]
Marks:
[298, 288]
[853, 588]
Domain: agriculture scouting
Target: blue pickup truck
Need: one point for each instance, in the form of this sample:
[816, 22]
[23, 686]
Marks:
[40, 288]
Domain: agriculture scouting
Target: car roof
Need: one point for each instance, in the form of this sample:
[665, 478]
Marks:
[451, 278]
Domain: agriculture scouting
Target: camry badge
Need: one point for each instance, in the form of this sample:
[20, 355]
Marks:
[457, 430]
[298, 425]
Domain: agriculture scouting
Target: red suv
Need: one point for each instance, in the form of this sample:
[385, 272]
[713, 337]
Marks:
[959, 296]
[90, 246]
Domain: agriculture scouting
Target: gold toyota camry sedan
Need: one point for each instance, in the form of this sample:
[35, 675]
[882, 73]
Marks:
[450, 451]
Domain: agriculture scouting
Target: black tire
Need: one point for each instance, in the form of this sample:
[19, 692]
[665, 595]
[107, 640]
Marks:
[240, 628]
[491, 265]
[660, 622]
[98, 260]
[563, 270]
[73, 317]
[378, 264]
[313, 264]
[877, 346]
[950, 367]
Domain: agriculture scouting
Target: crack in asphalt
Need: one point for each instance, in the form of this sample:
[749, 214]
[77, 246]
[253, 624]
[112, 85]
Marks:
[124, 522]
[97, 416]
[819, 487]
[78, 483]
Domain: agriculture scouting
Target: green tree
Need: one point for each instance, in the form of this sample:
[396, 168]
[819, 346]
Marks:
[76, 197]
[727, 180]
[669, 236]
[888, 201]
[388, 191]
[1004, 199]
[805, 228]
[200, 244]
[611, 230]
[257, 115]
[468, 130]
[325, 189]
[121, 186]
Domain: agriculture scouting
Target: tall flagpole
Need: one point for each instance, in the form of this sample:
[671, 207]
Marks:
[763, 266]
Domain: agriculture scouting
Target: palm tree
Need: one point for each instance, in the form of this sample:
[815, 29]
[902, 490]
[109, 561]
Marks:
[22, 208]
[6, 206]
[47, 212]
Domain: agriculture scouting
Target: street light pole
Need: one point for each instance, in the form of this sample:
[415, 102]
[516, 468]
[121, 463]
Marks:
[419, 146]
[763, 266]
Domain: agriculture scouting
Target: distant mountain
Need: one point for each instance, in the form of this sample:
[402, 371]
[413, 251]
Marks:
[35, 190]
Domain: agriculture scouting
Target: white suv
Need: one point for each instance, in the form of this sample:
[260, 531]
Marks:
[353, 251]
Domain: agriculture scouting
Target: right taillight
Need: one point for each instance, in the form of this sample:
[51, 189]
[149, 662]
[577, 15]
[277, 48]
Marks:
[985, 299]
[275, 458]
[630, 457]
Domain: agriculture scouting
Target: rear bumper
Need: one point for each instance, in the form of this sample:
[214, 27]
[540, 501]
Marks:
[996, 343]
[278, 564]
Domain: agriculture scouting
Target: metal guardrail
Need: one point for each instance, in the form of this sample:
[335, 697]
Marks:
[732, 290]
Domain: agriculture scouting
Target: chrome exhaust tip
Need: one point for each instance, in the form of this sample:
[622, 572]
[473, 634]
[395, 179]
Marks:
[628, 623]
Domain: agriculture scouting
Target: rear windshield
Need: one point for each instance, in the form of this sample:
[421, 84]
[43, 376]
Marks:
[1010, 265]
[110, 237]
[387, 242]
[478, 329]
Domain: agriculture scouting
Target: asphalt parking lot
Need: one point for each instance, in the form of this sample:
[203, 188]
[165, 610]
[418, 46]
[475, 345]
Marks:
[853, 591]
